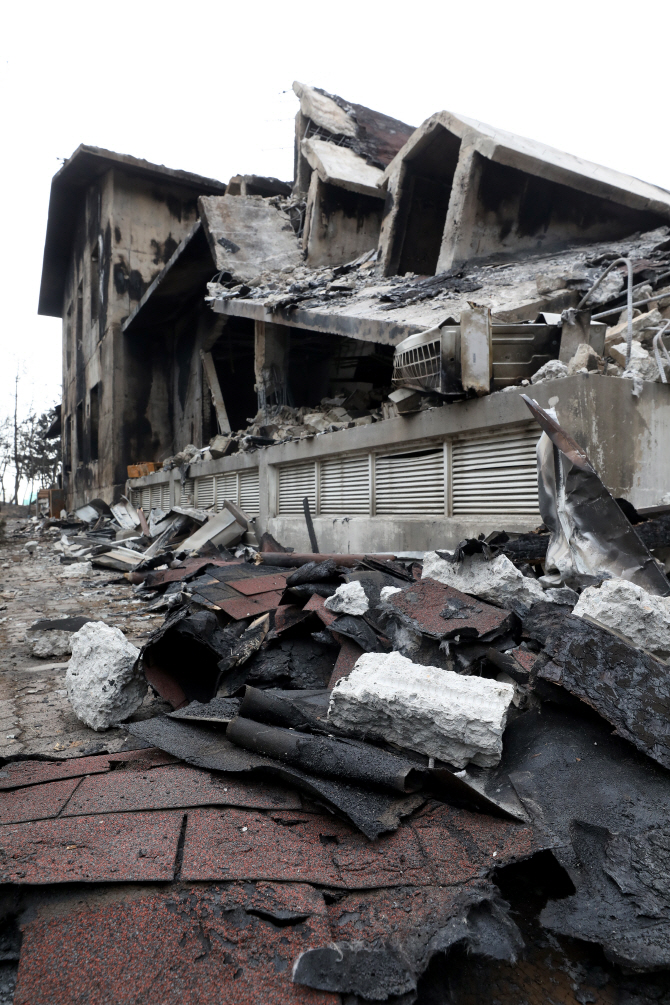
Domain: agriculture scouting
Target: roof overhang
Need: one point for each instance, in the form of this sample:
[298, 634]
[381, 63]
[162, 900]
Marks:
[67, 188]
[537, 159]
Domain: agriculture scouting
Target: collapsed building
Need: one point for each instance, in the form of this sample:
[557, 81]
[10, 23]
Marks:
[379, 456]
[276, 311]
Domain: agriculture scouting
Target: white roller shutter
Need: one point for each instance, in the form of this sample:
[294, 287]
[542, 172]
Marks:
[249, 494]
[344, 485]
[156, 496]
[166, 501]
[410, 484]
[204, 492]
[145, 498]
[226, 488]
[496, 473]
[295, 482]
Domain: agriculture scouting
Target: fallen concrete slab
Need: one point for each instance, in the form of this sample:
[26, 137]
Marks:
[433, 711]
[640, 616]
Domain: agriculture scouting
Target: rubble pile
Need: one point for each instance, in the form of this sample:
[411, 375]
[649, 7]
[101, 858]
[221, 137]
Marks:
[481, 684]
[380, 688]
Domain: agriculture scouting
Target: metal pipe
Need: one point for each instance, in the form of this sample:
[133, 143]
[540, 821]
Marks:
[629, 299]
[618, 310]
[658, 345]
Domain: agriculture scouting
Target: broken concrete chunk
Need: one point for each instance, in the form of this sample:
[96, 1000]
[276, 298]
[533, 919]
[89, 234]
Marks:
[53, 637]
[496, 580]
[550, 371]
[650, 319]
[79, 570]
[640, 616]
[44, 644]
[618, 352]
[104, 684]
[349, 598]
[387, 592]
[585, 358]
[436, 712]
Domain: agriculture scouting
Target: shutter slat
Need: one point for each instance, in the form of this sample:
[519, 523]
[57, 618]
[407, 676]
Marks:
[410, 484]
[226, 488]
[204, 491]
[495, 473]
[345, 485]
[295, 482]
[249, 492]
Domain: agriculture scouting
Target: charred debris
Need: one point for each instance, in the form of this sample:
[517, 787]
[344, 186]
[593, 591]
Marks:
[517, 684]
[410, 557]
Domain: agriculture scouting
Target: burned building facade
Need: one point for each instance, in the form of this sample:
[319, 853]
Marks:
[114, 221]
[437, 261]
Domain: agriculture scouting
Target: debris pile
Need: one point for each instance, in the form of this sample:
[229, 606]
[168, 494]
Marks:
[405, 698]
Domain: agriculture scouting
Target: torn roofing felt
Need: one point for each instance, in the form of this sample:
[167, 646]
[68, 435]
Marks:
[372, 812]
[607, 808]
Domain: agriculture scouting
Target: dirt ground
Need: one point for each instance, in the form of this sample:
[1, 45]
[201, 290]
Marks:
[35, 717]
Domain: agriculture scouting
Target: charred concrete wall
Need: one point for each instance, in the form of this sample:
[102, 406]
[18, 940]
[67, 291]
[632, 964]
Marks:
[461, 190]
[127, 229]
[434, 478]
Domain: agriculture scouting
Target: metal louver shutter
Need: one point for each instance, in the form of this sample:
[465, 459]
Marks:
[226, 488]
[204, 492]
[344, 485]
[156, 496]
[145, 499]
[165, 497]
[186, 492]
[496, 474]
[411, 484]
[249, 492]
[295, 482]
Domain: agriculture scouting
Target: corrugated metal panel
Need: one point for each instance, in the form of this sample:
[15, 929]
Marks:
[145, 499]
[226, 488]
[165, 496]
[204, 491]
[496, 473]
[186, 492]
[344, 485]
[295, 482]
[249, 492]
[410, 484]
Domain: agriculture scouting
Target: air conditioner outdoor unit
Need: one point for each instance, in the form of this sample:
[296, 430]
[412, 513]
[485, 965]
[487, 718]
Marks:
[431, 361]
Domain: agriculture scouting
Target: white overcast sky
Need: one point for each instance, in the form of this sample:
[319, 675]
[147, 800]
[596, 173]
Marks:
[207, 87]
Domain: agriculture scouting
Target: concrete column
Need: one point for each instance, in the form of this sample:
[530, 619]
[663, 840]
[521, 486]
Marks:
[458, 239]
[270, 363]
[393, 222]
